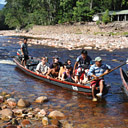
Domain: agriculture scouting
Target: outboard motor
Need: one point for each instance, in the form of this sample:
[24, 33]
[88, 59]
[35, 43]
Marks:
[19, 55]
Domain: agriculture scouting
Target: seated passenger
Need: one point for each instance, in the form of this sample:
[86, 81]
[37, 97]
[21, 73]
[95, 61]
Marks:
[56, 60]
[53, 72]
[69, 63]
[42, 67]
[62, 69]
[67, 75]
[84, 76]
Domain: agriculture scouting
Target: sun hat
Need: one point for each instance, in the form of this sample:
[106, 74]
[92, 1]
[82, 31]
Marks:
[98, 58]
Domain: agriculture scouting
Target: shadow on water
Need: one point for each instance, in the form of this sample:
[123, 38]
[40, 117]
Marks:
[111, 111]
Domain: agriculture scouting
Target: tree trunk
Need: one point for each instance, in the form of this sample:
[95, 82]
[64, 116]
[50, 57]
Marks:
[91, 4]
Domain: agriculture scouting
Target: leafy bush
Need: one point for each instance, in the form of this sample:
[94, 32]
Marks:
[98, 22]
[106, 17]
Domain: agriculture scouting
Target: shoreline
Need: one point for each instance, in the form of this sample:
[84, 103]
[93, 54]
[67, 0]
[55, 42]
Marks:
[73, 37]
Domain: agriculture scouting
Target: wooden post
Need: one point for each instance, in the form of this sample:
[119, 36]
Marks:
[111, 17]
[118, 17]
[125, 17]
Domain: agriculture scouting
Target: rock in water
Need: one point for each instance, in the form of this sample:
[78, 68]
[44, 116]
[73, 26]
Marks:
[41, 99]
[56, 115]
[25, 123]
[7, 113]
[11, 126]
[23, 103]
[1, 99]
[11, 102]
[45, 121]
[14, 121]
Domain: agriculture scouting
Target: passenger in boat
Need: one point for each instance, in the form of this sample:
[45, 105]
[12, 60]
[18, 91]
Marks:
[42, 67]
[56, 60]
[62, 70]
[24, 51]
[82, 63]
[95, 71]
[67, 75]
[53, 72]
[69, 63]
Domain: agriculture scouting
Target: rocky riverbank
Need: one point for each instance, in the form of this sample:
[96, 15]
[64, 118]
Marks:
[19, 113]
[89, 36]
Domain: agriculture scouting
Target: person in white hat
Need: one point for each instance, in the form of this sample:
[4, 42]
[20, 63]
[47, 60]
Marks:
[95, 71]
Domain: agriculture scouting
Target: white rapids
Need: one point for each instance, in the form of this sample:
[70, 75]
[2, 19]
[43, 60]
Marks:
[10, 62]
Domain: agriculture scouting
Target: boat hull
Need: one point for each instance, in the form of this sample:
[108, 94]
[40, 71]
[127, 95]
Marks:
[84, 89]
[124, 78]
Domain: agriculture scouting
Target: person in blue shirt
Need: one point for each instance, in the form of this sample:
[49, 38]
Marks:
[82, 63]
[95, 71]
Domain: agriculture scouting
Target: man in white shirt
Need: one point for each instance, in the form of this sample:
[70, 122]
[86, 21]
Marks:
[42, 67]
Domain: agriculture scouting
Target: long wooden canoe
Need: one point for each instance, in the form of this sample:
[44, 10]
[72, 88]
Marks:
[84, 89]
[124, 78]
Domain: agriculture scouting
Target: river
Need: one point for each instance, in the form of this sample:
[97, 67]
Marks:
[80, 111]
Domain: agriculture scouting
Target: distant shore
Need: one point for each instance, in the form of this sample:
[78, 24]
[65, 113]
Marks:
[89, 36]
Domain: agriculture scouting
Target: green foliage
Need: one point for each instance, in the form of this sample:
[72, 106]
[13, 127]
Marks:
[26, 13]
[98, 22]
[105, 17]
[2, 19]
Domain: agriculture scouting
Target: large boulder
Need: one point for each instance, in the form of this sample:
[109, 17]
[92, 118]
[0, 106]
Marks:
[7, 113]
[41, 99]
[23, 103]
[56, 115]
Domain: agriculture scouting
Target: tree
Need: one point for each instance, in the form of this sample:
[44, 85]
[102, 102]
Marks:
[105, 17]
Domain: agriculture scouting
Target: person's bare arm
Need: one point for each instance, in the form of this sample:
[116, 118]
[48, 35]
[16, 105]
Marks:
[75, 65]
[22, 51]
[37, 72]
[62, 77]
[95, 77]
[49, 71]
[107, 71]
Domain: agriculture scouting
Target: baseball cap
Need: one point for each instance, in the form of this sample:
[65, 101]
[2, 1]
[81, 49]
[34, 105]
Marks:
[98, 58]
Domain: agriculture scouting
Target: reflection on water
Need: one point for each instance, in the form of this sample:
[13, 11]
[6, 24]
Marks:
[111, 111]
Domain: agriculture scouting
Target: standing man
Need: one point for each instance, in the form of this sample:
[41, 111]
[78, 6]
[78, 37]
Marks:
[82, 63]
[24, 51]
[95, 71]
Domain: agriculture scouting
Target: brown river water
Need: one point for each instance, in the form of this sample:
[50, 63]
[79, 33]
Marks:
[80, 111]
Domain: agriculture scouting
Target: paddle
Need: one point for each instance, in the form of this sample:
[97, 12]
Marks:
[106, 73]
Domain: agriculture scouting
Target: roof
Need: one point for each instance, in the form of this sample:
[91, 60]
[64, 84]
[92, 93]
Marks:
[122, 12]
